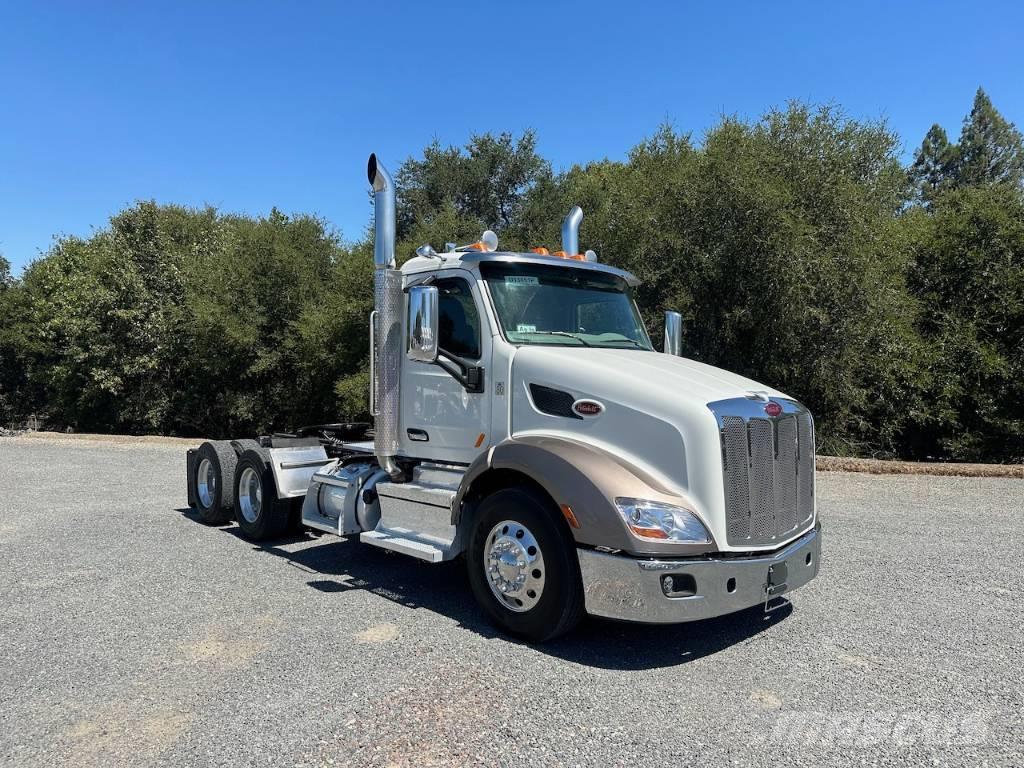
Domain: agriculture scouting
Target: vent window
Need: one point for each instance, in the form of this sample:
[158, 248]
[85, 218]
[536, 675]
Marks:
[553, 402]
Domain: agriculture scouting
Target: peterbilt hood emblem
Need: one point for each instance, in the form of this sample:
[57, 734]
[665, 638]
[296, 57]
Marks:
[773, 409]
[588, 408]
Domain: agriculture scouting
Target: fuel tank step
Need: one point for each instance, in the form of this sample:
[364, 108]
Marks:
[406, 542]
[422, 494]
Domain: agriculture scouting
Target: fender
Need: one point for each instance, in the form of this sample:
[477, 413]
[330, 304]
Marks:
[588, 480]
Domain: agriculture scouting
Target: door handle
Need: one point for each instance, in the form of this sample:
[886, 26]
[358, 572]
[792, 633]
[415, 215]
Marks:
[419, 435]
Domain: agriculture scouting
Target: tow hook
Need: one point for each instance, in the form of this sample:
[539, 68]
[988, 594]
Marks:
[774, 586]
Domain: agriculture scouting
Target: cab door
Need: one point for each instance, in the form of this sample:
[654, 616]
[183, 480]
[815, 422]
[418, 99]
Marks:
[441, 420]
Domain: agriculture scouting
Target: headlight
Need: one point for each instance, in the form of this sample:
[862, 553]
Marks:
[656, 520]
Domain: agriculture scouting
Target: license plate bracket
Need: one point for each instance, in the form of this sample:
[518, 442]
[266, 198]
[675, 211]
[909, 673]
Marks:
[774, 587]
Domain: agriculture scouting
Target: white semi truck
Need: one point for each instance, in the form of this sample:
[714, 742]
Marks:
[523, 421]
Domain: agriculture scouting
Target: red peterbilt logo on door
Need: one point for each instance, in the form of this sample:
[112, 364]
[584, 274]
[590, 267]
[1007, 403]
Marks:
[587, 407]
[773, 409]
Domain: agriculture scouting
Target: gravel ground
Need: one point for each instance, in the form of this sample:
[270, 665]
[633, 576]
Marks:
[130, 634]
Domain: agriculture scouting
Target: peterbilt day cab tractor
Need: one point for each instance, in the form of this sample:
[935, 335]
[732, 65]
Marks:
[524, 422]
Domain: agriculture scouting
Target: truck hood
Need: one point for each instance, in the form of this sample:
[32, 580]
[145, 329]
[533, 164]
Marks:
[644, 374]
[655, 413]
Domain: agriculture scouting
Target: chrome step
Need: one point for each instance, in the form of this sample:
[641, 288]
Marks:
[416, 517]
[408, 543]
[424, 511]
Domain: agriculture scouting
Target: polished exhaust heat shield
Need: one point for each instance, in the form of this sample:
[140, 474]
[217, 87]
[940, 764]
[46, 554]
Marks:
[387, 331]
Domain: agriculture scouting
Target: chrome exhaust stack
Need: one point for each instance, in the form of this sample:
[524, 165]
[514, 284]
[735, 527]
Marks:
[571, 231]
[386, 321]
[383, 214]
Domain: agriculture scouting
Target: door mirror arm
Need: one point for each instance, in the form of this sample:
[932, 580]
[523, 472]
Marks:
[470, 376]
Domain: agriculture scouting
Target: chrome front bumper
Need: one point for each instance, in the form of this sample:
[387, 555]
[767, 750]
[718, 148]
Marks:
[631, 589]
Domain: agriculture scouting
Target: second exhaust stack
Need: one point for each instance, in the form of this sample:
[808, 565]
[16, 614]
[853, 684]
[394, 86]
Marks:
[571, 231]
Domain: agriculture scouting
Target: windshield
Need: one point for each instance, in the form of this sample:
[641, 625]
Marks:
[540, 304]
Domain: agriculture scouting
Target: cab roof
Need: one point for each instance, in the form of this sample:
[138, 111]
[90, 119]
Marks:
[472, 259]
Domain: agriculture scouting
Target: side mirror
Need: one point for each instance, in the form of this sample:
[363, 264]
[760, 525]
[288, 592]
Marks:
[423, 321]
[673, 334]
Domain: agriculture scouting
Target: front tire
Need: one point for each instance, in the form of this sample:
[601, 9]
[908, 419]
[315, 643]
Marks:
[523, 567]
[258, 511]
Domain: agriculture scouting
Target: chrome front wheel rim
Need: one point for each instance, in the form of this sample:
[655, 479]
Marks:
[206, 483]
[514, 566]
[250, 494]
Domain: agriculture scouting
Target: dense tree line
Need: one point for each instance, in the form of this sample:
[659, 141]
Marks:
[801, 251]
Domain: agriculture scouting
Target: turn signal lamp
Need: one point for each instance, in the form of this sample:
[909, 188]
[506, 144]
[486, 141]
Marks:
[588, 256]
[569, 516]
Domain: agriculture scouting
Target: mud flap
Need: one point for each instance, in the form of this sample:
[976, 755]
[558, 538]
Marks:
[190, 480]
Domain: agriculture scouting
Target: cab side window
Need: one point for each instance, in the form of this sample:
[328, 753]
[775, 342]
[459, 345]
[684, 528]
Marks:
[458, 319]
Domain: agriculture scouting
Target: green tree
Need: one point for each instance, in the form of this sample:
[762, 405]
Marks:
[991, 150]
[777, 241]
[180, 320]
[264, 327]
[968, 274]
[787, 242]
[935, 164]
[11, 367]
[95, 341]
[484, 183]
[965, 249]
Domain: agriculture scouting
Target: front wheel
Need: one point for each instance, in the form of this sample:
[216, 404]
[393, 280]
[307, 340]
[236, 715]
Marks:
[523, 567]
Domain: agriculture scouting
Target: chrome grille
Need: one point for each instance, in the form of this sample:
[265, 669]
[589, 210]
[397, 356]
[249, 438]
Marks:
[768, 470]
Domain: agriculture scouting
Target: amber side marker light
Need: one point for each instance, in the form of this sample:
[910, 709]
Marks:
[569, 516]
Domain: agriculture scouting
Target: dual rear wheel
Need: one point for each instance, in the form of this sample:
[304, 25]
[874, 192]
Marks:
[228, 485]
[259, 512]
[213, 481]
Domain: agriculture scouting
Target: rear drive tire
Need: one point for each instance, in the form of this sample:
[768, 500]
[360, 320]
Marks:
[258, 511]
[214, 479]
[523, 567]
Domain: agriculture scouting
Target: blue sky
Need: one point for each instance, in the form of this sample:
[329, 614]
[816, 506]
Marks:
[247, 106]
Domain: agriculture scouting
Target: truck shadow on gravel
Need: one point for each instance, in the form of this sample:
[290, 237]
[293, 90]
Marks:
[339, 566]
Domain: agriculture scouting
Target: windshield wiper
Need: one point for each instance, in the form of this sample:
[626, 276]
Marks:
[634, 342]
[581, 340]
